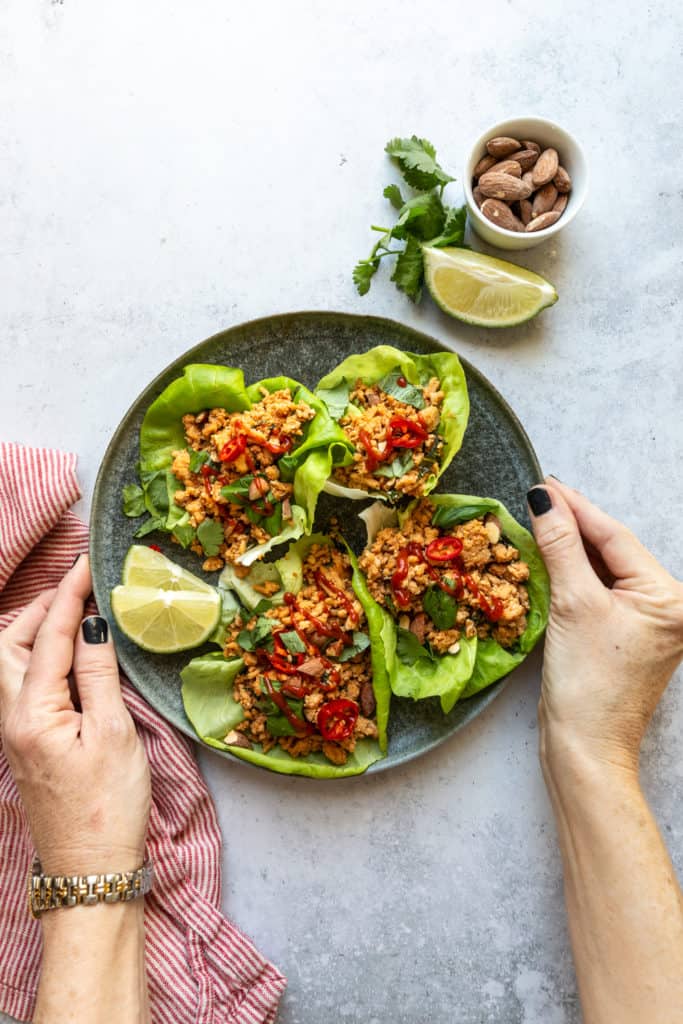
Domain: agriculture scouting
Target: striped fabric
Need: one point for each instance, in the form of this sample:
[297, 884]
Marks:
[201, 968]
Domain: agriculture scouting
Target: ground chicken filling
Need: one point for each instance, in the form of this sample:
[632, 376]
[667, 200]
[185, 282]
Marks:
[468, 577]
[307, 681]
[397, 445]
[241, 449]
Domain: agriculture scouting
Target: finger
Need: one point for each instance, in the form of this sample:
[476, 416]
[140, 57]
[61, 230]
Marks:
[16, 642]
[96, 671]
[621, 551]
[557, 535]
[45, 682]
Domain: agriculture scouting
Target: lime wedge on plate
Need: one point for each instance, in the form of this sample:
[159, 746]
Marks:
[482, 290]
[165, 621]
[145, 567]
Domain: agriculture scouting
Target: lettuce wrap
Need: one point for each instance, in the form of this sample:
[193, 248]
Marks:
[204, 387]
[208, 680]
[403, 377]
[418, 672]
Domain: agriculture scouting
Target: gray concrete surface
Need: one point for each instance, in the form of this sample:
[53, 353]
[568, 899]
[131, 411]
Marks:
[167, 170]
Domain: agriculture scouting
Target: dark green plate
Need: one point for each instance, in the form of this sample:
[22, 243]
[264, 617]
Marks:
[496, 459]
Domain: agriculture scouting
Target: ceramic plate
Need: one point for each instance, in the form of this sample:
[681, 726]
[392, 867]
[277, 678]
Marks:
[496, 459]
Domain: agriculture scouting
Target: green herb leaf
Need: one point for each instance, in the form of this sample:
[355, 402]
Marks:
[446, 515]
[293, 642]
[393, 194]
[149, 526]
[422, 216]
[417, 161]
[278, 724]
[248, 639]
[197, 460]
[409, 649]
[361, 641]
[184, 533]
[453, 231]
[409, 270]
[363, 273]
[157, 491]
[401, 465]
[409, 393]
[440, 607]
[336, 399]
[210, 535]
[263, 605]
[238, 489]
[273, 522]
[133, 498]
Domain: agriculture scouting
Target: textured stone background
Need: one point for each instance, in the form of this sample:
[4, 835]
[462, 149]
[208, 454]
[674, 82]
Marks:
[167, 170]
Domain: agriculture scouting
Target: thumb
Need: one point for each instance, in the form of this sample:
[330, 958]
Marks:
[557, 535]
[96, 671]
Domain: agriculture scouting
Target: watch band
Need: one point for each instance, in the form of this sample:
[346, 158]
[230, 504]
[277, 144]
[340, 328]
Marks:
[48, 892]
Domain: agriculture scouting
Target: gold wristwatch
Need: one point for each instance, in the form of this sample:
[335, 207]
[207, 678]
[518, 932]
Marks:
[48, 892]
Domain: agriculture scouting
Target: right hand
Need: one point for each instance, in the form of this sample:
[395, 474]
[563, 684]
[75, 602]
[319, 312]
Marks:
[81, 771]
[610, 649]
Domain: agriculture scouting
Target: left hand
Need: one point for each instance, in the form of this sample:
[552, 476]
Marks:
[80, 768]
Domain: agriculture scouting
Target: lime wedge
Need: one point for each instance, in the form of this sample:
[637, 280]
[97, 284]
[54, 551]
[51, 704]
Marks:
[482, 290]
[145, 567]
[165, 621]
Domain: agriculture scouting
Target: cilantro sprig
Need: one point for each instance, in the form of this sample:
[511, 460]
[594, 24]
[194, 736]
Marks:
[423, 219]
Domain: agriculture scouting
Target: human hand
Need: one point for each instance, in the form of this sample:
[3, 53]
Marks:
[615, 634]
[81, 771]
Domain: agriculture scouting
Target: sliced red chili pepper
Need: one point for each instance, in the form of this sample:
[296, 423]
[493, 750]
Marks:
[444, 549]
[405, 433]
[337, 719]
[233, 449]
[493, 609]
[401, 381]
[331, 590]
[207, 472]
[279, 446]
[373, 457]
[400, 593]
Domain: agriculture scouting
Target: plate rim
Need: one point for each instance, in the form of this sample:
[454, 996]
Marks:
[491, 692]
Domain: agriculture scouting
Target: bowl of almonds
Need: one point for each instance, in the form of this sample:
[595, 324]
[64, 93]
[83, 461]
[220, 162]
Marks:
[525, 179]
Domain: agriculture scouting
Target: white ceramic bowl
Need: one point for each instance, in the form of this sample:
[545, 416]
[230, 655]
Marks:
[545, 133]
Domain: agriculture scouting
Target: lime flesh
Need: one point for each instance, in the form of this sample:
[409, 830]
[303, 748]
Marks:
[165, 621]
[482, 290]
[145, 567]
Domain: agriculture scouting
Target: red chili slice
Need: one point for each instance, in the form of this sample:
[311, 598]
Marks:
[154, 547]
[233, 449]
[337, 719]
[373, 457]
[207, 472]
[444, 549]
[405, 433]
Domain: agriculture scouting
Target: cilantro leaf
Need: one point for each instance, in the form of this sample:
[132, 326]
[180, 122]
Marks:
[156, 489]
[363, 272]
[393, 194]
[248, 639]
[440, 607]
[409, 270]
[361, 642]
[446, 516]
[210, 535]
[336, 399]
[149, 526]
[417, 161]
[409, 393]
[184, 533]
[293, 642]
[453, 230]
[422, 216]
[133, 499]
[197, 460]
[409, 649]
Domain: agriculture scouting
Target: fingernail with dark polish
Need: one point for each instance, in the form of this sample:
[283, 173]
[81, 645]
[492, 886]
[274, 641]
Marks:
[95, 630]
[539, 501]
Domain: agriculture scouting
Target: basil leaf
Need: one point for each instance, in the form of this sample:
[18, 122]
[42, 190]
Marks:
[411, 394]
[398, 468]
[197, 460]
[278, 724]
[440, 607]
[361, 641]
[133, 499]
[336, 399]
[149, 526]
[293, 642]
[445, 516]
[237, 489]
[409, 649]
[273, 522]
[210, 535]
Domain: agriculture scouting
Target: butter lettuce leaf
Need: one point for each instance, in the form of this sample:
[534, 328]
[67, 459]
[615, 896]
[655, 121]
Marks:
[386, 363]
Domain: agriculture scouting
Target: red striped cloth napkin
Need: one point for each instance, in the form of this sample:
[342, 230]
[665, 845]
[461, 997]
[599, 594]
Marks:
[201, 968]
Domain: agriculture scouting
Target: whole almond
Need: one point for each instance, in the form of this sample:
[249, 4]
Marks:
[560, 203]
[502, 146]
[528, 144]
[562, 181]
[525, 210]
[527, 177]
[545, 168]
[508, 167]
[500, 213]
[495, 185]
[483, 166]
[544, 221]
[544, 200]
[478, 195]
[526, 158]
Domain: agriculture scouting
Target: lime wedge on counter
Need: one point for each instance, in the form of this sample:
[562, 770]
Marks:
[145, 567]
[482, 290]
[165, 621]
